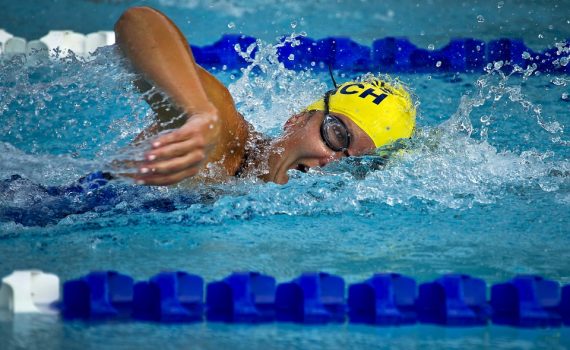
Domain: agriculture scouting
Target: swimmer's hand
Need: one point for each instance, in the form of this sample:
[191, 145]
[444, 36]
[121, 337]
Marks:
[181, 153]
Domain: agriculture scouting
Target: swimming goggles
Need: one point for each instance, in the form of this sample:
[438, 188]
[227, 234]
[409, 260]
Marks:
[334, 132]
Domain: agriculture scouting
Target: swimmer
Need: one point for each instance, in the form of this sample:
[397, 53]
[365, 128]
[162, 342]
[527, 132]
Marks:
[355, 119]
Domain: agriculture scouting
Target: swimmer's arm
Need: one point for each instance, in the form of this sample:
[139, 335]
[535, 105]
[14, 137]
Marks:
[158, 50]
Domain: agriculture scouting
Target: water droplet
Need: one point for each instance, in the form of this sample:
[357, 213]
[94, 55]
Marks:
[294, 24]
[558, 81]
[500, 4]
[438, 64]
[291, 57]
[231, 25]
[480, 19]
[431, 47]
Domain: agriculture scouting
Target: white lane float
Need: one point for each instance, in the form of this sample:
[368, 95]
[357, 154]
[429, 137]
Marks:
[30, 291]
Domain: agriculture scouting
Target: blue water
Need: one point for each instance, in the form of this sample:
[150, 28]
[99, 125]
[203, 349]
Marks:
[484, 190]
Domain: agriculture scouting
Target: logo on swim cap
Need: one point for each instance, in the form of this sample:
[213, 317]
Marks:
[384, 112]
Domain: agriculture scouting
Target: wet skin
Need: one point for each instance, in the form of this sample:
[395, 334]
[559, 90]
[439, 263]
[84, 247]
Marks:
[301, 147]
[211, 129]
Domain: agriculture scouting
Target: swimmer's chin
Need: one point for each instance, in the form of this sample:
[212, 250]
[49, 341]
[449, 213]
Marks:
[283, 178]
[278, 178]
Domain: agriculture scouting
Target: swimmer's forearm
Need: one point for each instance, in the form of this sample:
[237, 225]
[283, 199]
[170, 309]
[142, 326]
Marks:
[159, 51]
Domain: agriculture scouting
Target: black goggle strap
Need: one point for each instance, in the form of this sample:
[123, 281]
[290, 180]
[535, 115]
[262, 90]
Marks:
[332, 77]
[323, 127]
[326, 101]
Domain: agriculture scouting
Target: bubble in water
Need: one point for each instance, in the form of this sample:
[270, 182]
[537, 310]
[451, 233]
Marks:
[549, 184]
[540, 36]
[429, 77]
[294, 24]
[500, 4]
[438, 64]
[291, 57]
[565, 96]
[485, 119]
[431, 47]
[231, 25]
[551, 27]
[480, 19]
[558, 81]
[526, 55]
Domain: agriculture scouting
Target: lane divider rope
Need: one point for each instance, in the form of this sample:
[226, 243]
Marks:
[384, 299]
[390, 54]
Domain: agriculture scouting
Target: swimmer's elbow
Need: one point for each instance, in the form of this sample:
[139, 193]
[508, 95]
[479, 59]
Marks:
[133, 16]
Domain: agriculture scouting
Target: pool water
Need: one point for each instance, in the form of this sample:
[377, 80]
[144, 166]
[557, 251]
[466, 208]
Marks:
[484, 190]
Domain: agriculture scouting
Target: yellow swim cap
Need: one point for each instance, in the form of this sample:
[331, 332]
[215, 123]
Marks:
[386, 113]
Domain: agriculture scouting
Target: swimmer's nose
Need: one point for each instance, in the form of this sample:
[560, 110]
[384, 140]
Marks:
[332, 157]
[326, 160]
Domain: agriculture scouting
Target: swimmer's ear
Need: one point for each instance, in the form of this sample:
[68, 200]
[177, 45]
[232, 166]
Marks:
[296, 119]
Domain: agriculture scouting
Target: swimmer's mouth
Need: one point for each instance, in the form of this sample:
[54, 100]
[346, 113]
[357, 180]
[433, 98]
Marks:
[302, 168]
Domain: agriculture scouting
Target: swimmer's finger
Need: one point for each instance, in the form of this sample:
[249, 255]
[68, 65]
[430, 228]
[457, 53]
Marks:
[176, 149]
[195, 126]
[164, 180]
[174, 165]
[177, 135]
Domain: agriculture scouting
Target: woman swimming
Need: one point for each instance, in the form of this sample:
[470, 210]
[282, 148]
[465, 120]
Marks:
[354, 119]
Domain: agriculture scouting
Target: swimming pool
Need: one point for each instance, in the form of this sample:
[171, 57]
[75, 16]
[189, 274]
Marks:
[485, 190]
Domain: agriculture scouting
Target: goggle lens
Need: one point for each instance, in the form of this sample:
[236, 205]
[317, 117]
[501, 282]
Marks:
[335, 134]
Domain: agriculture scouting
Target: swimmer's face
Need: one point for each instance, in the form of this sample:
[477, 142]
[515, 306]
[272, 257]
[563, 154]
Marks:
[303, 147]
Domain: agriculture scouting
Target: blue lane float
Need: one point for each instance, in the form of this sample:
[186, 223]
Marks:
[169, 297]
[565, 305]
[387, 299]
[224, 52]
[527, 301]
[383, 299]
[453, 300]
[98, 295]
[390, 54]
[314, 297]
[247, 297]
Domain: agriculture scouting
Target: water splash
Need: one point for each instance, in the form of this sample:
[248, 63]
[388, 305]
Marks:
[501, 139]
[270, 92]
[69, 108]
[496, 90]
